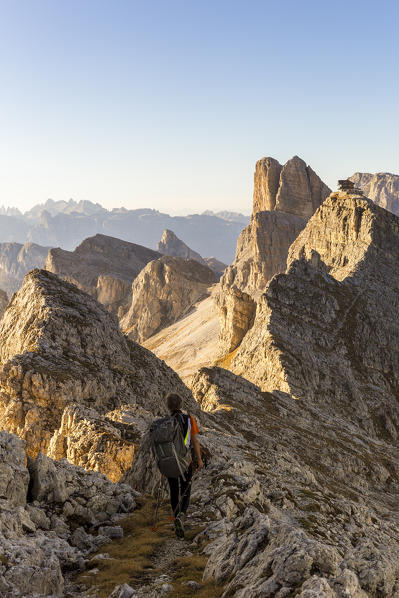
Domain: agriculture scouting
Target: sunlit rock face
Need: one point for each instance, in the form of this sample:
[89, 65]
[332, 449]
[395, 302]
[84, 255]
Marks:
[103, 267]
[164, 291]
[60, 347]
[284, 198]
[382, 188]
[293, 188]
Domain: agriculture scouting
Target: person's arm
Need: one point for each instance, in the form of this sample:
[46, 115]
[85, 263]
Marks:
[197, 450]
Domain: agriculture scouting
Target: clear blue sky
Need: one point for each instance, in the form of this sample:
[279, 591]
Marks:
[168, 104]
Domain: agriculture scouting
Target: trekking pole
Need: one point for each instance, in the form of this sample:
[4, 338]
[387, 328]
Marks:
[157, 504]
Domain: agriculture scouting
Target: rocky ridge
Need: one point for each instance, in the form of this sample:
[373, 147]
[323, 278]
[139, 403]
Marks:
[300, 497]
[382, 188]
[163, 292]
[70, 380]
[284, 198]
[103, 267]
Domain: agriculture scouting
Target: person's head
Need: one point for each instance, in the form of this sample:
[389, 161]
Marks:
[174, 402]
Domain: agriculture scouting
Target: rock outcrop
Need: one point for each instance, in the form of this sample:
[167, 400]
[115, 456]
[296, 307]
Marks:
[382, 188]
[52, 516]
[293, 188]
[103, 267]
[59, 347]
[284, 198]
[327, 329]
[163, 292]
[16, 260]
[171, 245]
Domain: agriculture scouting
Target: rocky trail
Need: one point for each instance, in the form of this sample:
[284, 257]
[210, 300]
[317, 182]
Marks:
[149, 559]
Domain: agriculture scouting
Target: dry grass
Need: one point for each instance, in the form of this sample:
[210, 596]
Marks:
[133, 557]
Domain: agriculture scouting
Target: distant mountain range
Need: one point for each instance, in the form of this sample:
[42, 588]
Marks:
[67, 223]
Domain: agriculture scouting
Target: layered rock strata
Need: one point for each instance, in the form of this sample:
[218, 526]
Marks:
[382, 188]
[284, 198]
[103, 267]
[52, 516]
[60, 348]
[163, 292]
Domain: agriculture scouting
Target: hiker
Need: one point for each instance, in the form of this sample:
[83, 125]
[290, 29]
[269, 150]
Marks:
[172, 438]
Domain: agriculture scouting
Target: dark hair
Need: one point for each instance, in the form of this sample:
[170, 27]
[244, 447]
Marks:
[173, 402]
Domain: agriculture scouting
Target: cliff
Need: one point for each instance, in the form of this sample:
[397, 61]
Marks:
[284, 199]
[163, 292]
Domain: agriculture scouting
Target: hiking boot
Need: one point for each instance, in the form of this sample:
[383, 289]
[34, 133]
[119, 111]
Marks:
[179, 527]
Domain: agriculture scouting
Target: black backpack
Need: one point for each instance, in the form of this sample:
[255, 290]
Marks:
[168, 446]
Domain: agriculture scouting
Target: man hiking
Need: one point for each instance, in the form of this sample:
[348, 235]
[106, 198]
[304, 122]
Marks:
[172, 438]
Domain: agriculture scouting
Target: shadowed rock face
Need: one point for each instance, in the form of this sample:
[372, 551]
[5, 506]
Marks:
[58, 347]
[16, 260]
[284, 198]
[103, 267]
[382, 188]
[163, 292]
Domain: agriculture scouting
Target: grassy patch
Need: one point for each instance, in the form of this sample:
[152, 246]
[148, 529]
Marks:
[132, 557]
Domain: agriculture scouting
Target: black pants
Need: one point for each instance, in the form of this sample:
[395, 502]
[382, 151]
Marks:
[180, 490]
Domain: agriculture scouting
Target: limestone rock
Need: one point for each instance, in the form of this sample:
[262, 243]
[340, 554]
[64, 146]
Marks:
[266, 184]
[103, 267]
[61, 347]
[89, 439]
[262, 250]
[14, 477]
[163, 292]
[16, 260]
[171, 245]
[38, 541]
[3, 302]
[285, 197]
[322, 330]
[307, 494]
[382, 188]
[300, 191]
[293, 188]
